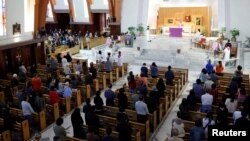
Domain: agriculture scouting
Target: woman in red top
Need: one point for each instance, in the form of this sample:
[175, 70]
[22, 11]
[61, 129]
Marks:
[54, 98]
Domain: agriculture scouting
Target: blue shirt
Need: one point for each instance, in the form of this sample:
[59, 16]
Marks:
[144, 70]
[67, 92]
[209, 68]
[154, 71]
[108, 66]
[197, 134]
[198, 90]
[109, 94]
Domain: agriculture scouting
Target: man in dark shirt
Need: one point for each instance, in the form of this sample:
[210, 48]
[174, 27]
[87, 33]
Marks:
[243, 122]
[86, 108]
[92, 70]
[108, 137]
[110, 96]
[144, 70]
[169, 76]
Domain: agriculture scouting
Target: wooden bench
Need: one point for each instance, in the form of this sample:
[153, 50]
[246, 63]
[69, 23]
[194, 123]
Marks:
[112, 111]
[112, 122]
[5, 136]
[54, 110]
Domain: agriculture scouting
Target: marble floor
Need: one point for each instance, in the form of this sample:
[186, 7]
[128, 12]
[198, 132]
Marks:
[161, 50]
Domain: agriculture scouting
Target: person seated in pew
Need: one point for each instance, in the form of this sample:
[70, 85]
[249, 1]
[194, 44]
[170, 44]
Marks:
[74, 83]
[85, 68]
[36, 83]
[197, 132]
[208, 120]
[203, 75]
[214, 77]
[144, 70]
[198, 90]
[141, 87]
[92, 119]
[110, 96]
[93, 70]
[208, 84]
[161, 87]
[184, 108]
[141, 110]
[222, 113]
[179, 125]
[122, 99]
[169, 76]
[108, 65]
[206, 102]
[98, 103]
[154, 70]
[191, 100]
[209, 67]
[66, 69]
[238, 75]
[231, 104]
[67, 91]
[108, 136]
[219, 69]
[77, 123]
[175, 135]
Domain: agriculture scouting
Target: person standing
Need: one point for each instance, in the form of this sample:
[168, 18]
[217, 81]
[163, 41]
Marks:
[119, 59]
[141, 110]
[110, 96]
[27, 109]
[77, 123]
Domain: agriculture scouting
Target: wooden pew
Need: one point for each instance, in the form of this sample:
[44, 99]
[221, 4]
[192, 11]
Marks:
[112, 111]
[24, 129]
[115, 134]
[54, 110]
[67, 103]
[2, 98]
[112, 122]
[5, 136]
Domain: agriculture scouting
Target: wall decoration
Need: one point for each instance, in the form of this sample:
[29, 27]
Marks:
[170, 21]
[187, 18]
[198, 21]
[16, 29]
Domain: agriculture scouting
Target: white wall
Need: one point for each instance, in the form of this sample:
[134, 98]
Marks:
[133, 13]
[100, 5]
[61, 5]
[21, 12]
[156, 4]
[81, 11]
[239, 17]
[214, 6]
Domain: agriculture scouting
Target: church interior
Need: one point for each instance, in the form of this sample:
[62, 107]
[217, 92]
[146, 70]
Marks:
[123, 70]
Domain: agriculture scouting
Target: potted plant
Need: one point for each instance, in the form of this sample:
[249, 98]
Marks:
[140, 29]
[235, 32]
[131, 30]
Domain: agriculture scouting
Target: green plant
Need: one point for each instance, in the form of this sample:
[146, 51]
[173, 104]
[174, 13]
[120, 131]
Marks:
[131, 30]
[140, 28]
[235, 32]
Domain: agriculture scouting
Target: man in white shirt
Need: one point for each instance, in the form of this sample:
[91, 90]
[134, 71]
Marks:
[206, 102]
[119, 59]
[141, 110]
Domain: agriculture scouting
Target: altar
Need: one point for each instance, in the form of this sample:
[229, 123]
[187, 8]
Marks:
[175, 32]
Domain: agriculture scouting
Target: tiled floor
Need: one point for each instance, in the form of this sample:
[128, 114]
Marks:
[161, 50]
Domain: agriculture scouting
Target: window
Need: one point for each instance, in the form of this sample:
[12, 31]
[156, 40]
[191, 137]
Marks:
[2, 18]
